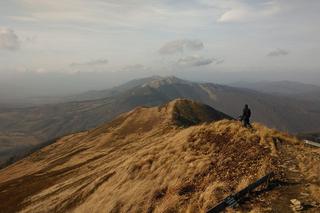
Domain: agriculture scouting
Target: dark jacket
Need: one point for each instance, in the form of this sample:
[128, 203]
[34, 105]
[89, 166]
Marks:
[246, 114]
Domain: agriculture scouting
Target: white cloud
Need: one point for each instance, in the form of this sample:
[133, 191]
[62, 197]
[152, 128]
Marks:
[40, 70]
[195, 61]
[23, 18]
[8, 39]
[243, 12]
[133, 68]
[139, 14]
[129, 32]
[177, 46]
[30, 39]
[99, 62]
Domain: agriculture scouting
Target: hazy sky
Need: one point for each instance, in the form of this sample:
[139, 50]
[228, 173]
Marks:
[196, 37]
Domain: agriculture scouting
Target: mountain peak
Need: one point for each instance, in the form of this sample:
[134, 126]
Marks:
[179, 112]
[187, 112]
[158, 81]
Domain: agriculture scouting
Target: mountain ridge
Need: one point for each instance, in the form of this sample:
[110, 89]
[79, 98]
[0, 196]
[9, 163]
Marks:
[44, 123]
[284, 88]
[146, 161]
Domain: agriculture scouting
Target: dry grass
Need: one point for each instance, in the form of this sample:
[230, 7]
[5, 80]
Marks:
[142, 162]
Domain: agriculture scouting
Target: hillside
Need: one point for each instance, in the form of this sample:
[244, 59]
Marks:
[286, 88]
[313, 136]
[179, 157]
[46, 122]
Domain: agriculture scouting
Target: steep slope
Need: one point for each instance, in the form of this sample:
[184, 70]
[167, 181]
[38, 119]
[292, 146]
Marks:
[46, 122]
[161, 159]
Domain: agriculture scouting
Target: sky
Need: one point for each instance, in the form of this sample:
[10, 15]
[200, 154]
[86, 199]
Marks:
[77, 45]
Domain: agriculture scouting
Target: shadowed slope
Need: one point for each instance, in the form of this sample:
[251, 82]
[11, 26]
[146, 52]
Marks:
[153, 160]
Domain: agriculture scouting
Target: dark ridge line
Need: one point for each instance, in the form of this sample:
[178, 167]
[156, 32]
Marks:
[233, 200]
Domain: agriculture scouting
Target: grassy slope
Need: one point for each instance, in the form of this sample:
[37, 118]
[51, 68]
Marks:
[143, 161]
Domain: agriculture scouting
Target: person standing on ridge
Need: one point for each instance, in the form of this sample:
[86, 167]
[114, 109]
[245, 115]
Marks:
[245, 117]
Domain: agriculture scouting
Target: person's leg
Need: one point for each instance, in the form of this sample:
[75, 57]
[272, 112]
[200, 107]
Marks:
[246, 122]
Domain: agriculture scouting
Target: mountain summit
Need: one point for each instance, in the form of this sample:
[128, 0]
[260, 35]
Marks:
[161, 81]
[180, 157]
[177, 113]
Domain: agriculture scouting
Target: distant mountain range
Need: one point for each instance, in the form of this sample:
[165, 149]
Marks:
[287, 88]
[23, 128]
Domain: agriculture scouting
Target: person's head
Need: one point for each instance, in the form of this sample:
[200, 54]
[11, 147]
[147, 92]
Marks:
[246, 106]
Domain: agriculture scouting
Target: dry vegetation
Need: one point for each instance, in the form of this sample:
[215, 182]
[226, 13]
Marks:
[148, 161]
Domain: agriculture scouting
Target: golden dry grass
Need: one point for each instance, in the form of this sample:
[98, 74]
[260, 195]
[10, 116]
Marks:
[143, 162]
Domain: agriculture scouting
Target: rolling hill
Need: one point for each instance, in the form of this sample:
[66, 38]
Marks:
[179, 157]
[39, 124]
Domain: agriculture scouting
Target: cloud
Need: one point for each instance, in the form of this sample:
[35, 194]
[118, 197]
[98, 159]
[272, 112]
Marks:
[219, 61]
[278, 52]
[8, 39]
[181, 45]
[195, 61]
[132, 68]
[30, 39]
[83, 29]
[244, 12]
[23, 18]
[40, 70]
[99, 62]
[160, 15]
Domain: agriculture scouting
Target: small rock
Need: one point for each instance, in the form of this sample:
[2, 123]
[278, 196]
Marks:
[304, 194]
[296, 205]
[295, 202]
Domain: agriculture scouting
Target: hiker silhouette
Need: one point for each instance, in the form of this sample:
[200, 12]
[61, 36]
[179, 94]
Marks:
[245, 117]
